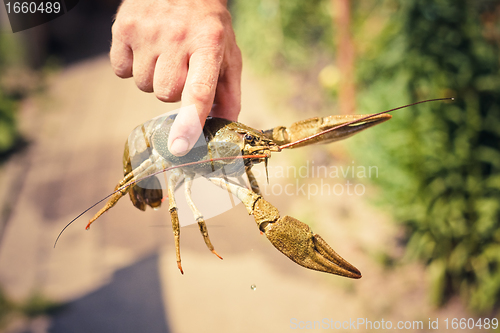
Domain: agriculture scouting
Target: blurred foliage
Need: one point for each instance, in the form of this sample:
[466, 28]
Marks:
[276, 34]
[440, 162]
[289, 43]
[35, 305]
[8, 106]
[6, 308]
[8, 130]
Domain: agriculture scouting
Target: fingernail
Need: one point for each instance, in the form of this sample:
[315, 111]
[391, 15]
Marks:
[179, 147]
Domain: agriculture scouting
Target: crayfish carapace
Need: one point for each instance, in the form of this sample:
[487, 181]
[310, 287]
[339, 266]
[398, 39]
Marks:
[230, 149]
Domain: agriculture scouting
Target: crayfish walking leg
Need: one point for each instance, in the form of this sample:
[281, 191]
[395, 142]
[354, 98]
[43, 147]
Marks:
[188, 182]
[172, 206]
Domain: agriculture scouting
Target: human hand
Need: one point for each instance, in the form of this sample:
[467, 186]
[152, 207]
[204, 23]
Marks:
[180, 50]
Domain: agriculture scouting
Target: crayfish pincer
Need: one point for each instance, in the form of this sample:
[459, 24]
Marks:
[290, 236]
[228, 148]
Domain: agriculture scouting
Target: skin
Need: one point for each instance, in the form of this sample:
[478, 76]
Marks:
[182, 50]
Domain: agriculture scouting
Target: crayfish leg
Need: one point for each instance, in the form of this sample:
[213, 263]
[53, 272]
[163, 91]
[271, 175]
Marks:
[143, 170]
[188, 179]
[114, 198]
[252, 180]
[172, 181]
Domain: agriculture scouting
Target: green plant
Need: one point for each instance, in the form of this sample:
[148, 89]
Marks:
[440, 163]
[277, 34]
[6, 308]
[35, 305]
[8, 106]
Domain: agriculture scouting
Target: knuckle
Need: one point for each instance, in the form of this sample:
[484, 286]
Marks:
[144, 85]
[122, 29]
[146, 89]
[167, 94]
[215, 35]
[122, 73]
[213, 32]
[121, 68]
[201, 92]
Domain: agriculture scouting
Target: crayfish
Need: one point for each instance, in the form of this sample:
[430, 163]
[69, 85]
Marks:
[228, 148]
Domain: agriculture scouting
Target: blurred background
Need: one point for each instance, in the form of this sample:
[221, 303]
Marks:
[424, 233]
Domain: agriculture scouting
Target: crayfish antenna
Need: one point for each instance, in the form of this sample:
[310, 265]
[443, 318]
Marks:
[267, 173]
[79, 215]
[332, 128]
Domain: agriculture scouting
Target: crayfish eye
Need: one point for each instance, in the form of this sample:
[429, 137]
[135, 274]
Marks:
[249, 138]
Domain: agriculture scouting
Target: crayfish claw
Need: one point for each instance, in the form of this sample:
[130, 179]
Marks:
[296, 240]
[290, 236]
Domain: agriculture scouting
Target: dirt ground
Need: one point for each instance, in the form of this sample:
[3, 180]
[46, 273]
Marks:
[121, 276]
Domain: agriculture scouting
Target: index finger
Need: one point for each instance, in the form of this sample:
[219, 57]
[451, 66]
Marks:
[198, 94]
